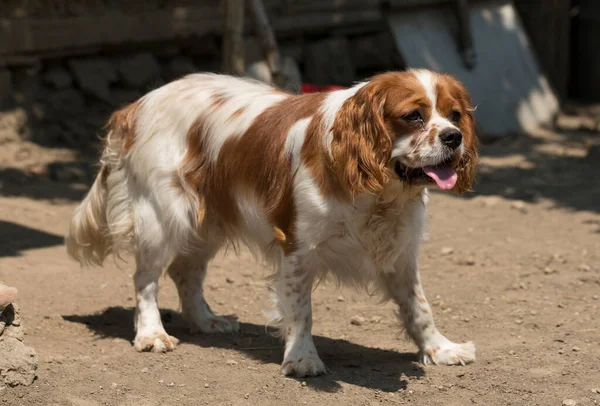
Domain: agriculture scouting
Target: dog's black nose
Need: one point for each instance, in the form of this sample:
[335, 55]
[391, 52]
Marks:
[451, 138]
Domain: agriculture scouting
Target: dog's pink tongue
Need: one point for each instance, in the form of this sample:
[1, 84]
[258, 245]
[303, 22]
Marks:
[444, 176]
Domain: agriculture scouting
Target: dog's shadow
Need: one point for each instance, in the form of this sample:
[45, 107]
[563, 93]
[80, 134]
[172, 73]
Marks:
[347, 362]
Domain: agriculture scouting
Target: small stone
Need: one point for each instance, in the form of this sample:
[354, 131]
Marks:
[341, 299]
[470, 261]
[231, 362]
[569, 402]
[144, 370]
[303, 383]
[171, 384]
[447, 250]
[246, 396]
[206, 385]
[549, 271]
[595, 297]
[357, 320]
[512, 352]
[576, 349]
[585, 268]
[561, 306]
[375, 319]
[161, 381]
[519, 205]
[518, 321]
[596, 390]
[229, 280]
[113, 385]
[561, 352]
[460, 374]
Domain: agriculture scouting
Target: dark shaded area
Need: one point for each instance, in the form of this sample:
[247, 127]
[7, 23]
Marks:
[16, 238]
[569, 181]
[381, 369]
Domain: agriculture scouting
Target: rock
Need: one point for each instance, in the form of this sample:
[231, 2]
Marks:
[7, 296]
[446, 250]
[357, 320]
[328, 62]
[180, 66]
[585, 268]
[144, 370]
[231, 362]
[576, 349]
[206, 385]
[291, 80]
[57, 77]
[341, 299]
[596, 390]
[569, 402]
[94, 76]
[549, 271]
[18, 362]
[519, 205]
[138, 70]
[229, 280]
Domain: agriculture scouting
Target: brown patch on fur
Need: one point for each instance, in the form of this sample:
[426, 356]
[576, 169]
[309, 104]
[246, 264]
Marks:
[452, 95]
[122, 125]
[253, 164]
[218, 100]
[237, 113]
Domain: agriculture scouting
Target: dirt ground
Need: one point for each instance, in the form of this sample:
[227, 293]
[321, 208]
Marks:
[514, 267]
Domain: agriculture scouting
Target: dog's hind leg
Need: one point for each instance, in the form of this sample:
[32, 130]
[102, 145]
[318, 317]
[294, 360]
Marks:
[188, 272]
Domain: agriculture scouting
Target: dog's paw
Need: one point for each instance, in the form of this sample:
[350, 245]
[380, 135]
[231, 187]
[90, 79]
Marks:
[155, 342]
[307, 366]
[215, 324]
[449, 353]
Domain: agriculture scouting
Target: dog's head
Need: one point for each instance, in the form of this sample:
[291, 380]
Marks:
[415, 127]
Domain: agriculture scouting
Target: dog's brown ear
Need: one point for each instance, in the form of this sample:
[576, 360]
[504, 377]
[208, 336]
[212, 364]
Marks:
[361, 145]
[467, 166]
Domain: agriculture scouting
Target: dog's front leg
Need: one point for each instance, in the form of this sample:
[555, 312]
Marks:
[404, 286]
[293, 290]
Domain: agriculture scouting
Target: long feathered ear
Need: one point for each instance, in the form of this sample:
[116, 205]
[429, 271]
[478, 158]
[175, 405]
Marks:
[361, 145]
[467, 166]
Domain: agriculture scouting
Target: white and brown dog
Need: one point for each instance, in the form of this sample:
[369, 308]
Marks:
[324, 183]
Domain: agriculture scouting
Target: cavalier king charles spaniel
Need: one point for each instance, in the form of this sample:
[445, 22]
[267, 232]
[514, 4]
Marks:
[331, 183]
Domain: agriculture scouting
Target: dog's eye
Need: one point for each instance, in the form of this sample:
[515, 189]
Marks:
[413, 117]
[455, 116]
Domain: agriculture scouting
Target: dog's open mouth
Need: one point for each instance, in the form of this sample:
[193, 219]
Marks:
[442, 174]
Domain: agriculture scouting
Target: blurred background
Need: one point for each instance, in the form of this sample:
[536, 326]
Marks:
[514, 266]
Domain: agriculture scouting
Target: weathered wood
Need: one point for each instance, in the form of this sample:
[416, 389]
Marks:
[233, 37]
[81, 35]
[27, 36]
[267, 39]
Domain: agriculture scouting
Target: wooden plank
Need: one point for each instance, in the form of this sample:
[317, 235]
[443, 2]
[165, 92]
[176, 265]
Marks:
[25, 36]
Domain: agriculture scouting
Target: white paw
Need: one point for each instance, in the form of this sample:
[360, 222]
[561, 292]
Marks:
[449, 353]
[215, 324]
[154, 342]
[300, 367]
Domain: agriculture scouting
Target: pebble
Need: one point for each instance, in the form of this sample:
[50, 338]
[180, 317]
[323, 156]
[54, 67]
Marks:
[303, 383]
[569, 402]
[341, 299]
[576, 349]
[229, 280]
[549, 271]
[144, 370]
[231, 362]
[375, 319]
[113, 385]
[596, 390]
[518, 321]
[447, 250]
[161, 381]
[357, 320]
[585, 268]
[561, 352]
[519, 205]
[171, 384]
[206, 385]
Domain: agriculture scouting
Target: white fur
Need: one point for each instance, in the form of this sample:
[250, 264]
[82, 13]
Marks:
[371, 241]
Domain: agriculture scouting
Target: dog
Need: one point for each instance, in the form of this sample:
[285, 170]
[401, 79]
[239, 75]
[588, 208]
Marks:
[332, 183]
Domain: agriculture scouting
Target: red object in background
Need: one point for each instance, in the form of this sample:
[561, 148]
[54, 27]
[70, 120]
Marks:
[308, 88]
